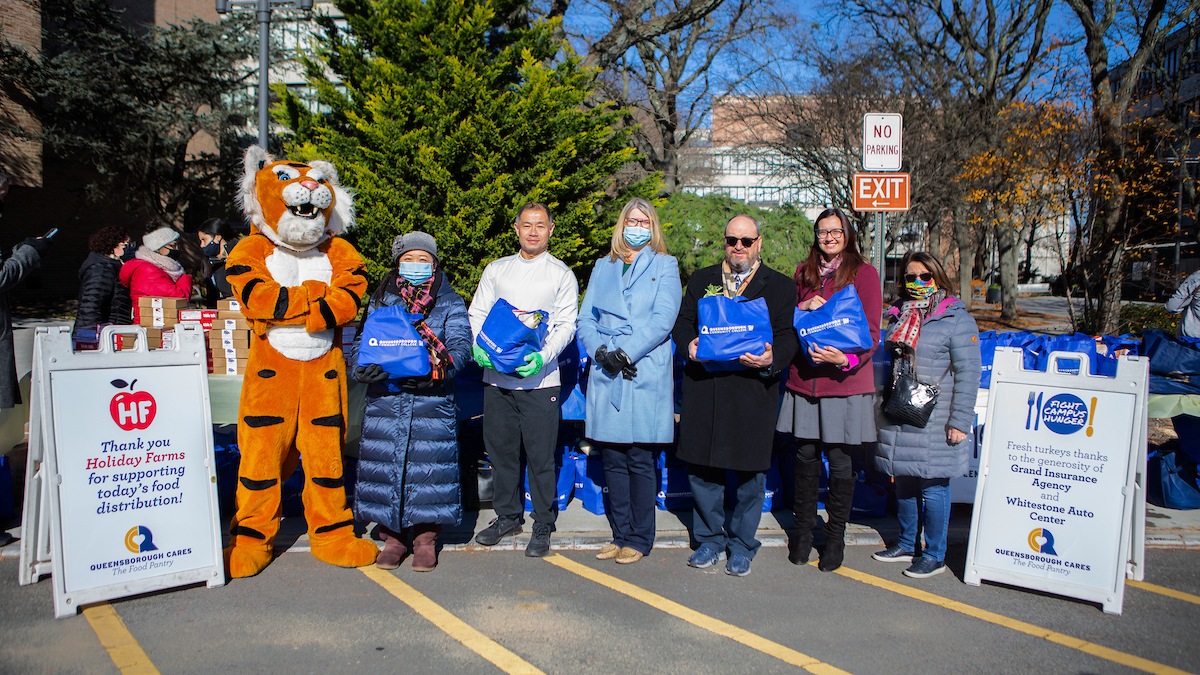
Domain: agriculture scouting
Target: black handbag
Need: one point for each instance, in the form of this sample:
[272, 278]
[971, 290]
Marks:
[910, 401]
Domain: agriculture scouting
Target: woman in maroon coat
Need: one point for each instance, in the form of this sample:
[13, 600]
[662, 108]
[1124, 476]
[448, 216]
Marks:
[830, 405]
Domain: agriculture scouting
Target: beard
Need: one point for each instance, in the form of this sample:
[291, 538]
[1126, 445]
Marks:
[741, 265]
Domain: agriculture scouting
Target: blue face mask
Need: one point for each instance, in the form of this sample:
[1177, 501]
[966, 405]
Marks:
[636, 236]
[211, 249]
[416, 273]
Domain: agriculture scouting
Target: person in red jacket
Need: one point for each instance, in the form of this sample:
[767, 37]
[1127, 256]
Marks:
[155, 270]
[829, 402]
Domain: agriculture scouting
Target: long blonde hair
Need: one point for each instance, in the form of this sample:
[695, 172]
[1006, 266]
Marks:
[620, 248]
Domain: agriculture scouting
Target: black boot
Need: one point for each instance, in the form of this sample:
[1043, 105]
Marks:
[837, 508]
[804, 510]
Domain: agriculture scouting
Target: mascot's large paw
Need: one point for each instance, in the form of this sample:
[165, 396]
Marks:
[246, 561]
[345, 551]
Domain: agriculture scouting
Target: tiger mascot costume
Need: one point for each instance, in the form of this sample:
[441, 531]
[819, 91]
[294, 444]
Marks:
[297, 281]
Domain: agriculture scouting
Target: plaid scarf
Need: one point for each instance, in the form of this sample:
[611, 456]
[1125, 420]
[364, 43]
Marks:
[828, 268]
[419, 299]
[912, 314]
[732, 288]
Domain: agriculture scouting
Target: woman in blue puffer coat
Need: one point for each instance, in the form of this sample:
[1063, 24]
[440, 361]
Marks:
[408, 474]
[933, 330]
[625, 324]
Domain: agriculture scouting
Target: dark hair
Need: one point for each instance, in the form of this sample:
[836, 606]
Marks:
[215, 226]
[931, 263]
[534, 205]
[104, 240]
[809, 271]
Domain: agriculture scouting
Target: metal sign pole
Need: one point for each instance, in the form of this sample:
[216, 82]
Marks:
[880, 230]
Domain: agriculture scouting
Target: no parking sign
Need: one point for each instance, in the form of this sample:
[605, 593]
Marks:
[1060, 504]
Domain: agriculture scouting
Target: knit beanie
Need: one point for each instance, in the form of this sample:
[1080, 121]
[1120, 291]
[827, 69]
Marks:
[413, 241]
[159, 238]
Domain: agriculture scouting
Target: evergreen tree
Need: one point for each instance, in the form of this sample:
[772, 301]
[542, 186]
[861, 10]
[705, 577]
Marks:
[447, 115]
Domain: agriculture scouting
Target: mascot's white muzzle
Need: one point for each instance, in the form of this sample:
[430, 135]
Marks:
[304, 224]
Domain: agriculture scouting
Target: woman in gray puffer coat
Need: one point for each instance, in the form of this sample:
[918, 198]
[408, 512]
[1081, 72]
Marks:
[935, 333]
[408, 474]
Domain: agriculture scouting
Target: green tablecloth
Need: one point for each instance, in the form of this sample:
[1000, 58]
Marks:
[1170, 405]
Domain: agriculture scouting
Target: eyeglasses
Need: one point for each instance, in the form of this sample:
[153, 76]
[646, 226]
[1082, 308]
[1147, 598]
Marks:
[747, 242]
[923, 276]
[836, 234]
[638, 222]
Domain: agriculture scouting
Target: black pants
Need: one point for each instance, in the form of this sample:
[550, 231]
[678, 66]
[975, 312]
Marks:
[511, 419]
[629, 471]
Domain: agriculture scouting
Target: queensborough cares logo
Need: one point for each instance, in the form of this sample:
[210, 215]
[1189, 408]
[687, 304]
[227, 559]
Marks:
[1041, 540]
[135, 545]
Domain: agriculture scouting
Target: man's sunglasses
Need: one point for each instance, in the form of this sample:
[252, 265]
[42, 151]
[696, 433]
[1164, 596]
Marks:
[747, 242]
[923, 276]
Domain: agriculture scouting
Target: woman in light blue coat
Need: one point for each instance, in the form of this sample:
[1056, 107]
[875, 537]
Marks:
[625, 325]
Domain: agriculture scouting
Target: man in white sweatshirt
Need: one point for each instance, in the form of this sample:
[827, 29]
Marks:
[523, 408]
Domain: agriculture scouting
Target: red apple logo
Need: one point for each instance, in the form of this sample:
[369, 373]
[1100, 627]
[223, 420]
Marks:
[130, 409]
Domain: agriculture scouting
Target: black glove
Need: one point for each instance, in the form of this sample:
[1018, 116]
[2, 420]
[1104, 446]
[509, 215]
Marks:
[630, 371]
[370, 374]
[418, 383]
[39, 244]
[616, 362]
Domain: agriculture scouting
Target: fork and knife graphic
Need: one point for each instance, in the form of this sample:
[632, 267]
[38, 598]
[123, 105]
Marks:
[1029, 414]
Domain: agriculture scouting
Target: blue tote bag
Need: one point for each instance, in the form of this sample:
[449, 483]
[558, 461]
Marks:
[506, 337]
[389, 339]
[730, 327]
[840, 323]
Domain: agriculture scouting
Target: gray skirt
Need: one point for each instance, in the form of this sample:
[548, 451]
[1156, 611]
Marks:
[844, 420]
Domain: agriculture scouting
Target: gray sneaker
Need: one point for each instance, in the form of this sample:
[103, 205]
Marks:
[893, 554]
[925, 567]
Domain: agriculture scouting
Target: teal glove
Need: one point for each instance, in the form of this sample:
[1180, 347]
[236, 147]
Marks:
[533, 363]
[481, 357]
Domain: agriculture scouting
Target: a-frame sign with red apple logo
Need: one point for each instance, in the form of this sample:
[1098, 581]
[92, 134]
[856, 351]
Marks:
[121, 492]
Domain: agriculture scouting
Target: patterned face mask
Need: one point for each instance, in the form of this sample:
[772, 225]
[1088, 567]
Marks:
[920, 290]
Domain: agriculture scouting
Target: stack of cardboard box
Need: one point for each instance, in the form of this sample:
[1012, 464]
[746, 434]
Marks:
[229, 339]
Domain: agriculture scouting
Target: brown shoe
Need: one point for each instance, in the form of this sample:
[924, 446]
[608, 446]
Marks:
[628, 555]
[609, 552]
[425, 547]
[393, 551]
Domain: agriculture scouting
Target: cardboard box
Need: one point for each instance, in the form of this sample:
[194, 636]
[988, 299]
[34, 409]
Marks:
[221, 333]
[230, 314]
[230, 366]
[229, 305]
[221, 352]
[162, 303]
[230, 324]
[201, 315]
[149, 320]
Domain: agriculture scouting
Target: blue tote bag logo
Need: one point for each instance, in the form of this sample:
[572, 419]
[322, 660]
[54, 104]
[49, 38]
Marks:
[730, 327]
[507, 338]
[840, 323]
[389, 339]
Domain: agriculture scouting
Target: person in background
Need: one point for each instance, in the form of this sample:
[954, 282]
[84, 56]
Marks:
[103, 299]
[217, 239]
[625, 324]
[829, 406]
[521, 411]
[727, 417]
[155, 270]
[934, 330]
[408, 473]
[1187, 301]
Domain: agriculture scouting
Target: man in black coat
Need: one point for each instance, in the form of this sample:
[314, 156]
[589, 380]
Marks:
[727, 418]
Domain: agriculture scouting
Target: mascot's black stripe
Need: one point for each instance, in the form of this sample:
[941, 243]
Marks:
[256, 421]
[281, 303]
[331, 374]
[357, 300]
[266, 373]
[330, 528]
[331, 421]
[326, 313]
[236, 269]
[258, 484]
[247, 288]
[329, 482]
[248, 532]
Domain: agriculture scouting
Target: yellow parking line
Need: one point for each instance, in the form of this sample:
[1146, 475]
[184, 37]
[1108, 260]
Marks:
[1000, 620]
[785, 654]
[122, 648]
[1169, 592]
[452, 625]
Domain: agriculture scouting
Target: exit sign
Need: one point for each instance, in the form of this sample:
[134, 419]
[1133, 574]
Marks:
[881, 141]
[881, 192]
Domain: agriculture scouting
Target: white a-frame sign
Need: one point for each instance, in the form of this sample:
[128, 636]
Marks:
[1061, 504]
[121, 493]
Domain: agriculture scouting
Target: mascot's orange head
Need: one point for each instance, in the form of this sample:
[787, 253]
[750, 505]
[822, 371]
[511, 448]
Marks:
[296, 205]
